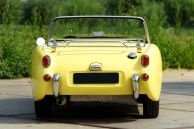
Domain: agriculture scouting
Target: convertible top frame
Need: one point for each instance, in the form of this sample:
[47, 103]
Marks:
[98, 16]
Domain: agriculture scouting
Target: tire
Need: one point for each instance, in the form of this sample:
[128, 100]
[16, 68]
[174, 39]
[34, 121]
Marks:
[42, 108]
[150, 108]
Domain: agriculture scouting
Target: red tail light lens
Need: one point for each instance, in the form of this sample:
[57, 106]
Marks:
[145, 60]
[145, 76]
[46, 60]
[47, 77]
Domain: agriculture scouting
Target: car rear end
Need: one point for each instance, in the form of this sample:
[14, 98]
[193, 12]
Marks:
[96, 69]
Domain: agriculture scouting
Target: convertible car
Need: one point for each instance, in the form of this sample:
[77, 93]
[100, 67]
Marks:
[96, 58]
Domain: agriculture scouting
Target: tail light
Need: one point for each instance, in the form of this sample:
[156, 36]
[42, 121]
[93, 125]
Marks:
[46, 60]
[145, 76]
[145, 60]
[47, 77]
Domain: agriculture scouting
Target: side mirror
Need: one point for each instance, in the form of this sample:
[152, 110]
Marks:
[40, 41]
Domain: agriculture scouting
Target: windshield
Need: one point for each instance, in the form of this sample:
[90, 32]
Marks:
[97, 27]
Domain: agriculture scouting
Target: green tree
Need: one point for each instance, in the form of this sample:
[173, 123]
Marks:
[179, 12]
[9, 11]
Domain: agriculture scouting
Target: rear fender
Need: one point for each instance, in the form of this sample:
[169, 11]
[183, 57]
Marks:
[152, 87]
[39, 86]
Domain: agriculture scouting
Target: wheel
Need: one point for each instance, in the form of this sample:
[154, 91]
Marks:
[150, 108]
[42, 108]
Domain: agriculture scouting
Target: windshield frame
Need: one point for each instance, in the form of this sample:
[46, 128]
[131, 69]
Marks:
[105, 17]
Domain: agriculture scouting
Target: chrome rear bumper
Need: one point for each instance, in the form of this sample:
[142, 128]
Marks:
[135, 84]
[104, 98]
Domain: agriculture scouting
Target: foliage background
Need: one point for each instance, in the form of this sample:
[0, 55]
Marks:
[170, 23]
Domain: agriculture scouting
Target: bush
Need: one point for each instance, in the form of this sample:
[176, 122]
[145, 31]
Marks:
[17, 43]
[178, 50]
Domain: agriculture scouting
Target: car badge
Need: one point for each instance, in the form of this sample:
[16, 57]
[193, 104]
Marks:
[95, 67]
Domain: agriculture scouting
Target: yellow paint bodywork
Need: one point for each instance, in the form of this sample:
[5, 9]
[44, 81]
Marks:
[68, 60]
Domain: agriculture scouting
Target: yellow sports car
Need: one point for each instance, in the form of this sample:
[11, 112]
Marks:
[96, 58]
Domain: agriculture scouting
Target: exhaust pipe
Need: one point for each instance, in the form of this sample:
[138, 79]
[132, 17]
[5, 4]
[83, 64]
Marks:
[61, 100]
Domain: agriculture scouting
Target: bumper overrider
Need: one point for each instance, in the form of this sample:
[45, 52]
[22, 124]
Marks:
[56, 78]
[135, 84]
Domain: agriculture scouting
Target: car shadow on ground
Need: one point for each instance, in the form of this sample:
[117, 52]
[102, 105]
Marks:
[95, 112]
[81, 113]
